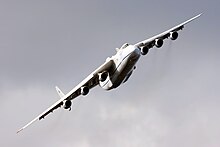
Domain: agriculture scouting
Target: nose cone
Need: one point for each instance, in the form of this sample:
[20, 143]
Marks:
[135, 54]
[137, 51]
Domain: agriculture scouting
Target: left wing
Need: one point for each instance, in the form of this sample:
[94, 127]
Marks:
[158, 39]
[90, 82]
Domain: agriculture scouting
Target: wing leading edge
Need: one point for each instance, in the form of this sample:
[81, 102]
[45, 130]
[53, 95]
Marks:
[91, 81]
[149, 43]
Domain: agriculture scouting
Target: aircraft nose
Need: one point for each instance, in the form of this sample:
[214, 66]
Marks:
[135, 54]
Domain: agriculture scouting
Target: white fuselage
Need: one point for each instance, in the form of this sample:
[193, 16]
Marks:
[124, 63]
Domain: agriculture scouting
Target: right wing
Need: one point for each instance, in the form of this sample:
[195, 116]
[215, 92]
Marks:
[91, 81]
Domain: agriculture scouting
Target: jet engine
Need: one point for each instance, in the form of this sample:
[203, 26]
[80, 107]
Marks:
[103, 76]
[84, 90]
[105, 81]
[173, 35]
[144, 50]
[158, 43]
[67, 104]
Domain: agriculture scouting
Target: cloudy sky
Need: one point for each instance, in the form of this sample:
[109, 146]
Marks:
[172, 99]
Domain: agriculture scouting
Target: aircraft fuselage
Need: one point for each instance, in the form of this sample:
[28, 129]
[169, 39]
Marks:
[124, 63]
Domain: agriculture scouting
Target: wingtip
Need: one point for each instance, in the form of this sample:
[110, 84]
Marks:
[195, 17]
[19, 130]
[200, 14]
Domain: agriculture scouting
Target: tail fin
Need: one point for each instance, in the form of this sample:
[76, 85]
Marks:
[60, 93]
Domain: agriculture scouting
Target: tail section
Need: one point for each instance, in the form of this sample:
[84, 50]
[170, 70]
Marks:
[61, 94]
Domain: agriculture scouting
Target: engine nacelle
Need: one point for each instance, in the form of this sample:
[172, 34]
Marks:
[84, 90]
[103, 76]
[173, 35]
[158, 43]
[144, 50]
[105, 81]
[67, 104]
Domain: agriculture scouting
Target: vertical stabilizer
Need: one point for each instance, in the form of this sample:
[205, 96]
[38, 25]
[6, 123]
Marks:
[61, 94]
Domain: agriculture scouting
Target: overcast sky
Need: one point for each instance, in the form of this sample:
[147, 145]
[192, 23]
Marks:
[172, 99]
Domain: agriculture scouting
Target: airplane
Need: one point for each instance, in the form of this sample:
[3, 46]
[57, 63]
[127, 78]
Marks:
[115, 71]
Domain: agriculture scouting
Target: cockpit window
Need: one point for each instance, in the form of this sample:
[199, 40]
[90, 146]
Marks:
[124, 45]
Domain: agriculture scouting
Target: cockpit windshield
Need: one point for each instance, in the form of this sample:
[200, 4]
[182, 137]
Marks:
[124, 45]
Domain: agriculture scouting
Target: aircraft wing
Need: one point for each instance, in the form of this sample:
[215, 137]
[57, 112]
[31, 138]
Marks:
[149, 43]
[91, 81]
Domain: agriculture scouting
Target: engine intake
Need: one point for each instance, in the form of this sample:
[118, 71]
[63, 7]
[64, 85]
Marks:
[158, 43]
[173, 35]
[144, 50]
[67, 104]
[84, 90]
[104, 80]
[103, 76]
